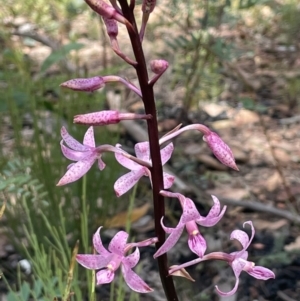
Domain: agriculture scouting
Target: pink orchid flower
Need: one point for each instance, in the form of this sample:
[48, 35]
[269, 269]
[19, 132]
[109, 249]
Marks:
[109, 261]
[189, 220]
[85, 154]
[237, 260]
[142, 151]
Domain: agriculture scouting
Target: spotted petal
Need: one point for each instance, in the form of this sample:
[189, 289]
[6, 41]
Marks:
[197, 244]
[168, 180]
[77, 171]
[261, 273]
[142, 151]
[127, 181]
[118, 243]
[170, 241]
[214, 214]
[166, 153]
[132, 260]
[134, 281]
[97, 243]
[129, 164]
[72, 154]
[89, 138]
[105, 276]
[71, 142]
[93, 262]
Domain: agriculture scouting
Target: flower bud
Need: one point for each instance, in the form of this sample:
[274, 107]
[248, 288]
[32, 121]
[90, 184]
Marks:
[107, 117]
[98, 118]
[220, 149]
[84, 84]
[148, 6]
[159, 66]
[105, 10]
[111, 27]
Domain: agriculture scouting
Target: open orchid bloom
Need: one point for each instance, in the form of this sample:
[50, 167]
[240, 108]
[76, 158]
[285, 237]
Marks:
[237, 260]
[85, 154]
[189, 220]
[142, 151]
[239, 263]
[108, 261]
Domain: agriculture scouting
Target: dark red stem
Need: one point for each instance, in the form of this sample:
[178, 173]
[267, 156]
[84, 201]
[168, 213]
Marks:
[156, 170]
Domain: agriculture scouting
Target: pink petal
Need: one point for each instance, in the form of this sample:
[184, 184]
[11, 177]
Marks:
[142, 151]
[231, 292]
[71, 142]
[168, 180]
[168, 230]
[170, 241]
[134, 281]
[129, 164]
[252, 231]
[166, 153]
[241, 236]
[132, 259]
[237, 267]
[190, 212]
[89, 138]
[93, 262]
[127, 181]
[97, 243]
[73, 155]
[261, 273]
[118, 243]
[214, 214]
[239, 255]
[220, 149]
[77, 171]
[101, 164]
[105, 276]
[197, 244]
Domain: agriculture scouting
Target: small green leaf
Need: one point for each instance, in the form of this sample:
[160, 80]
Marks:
[60, 54]
[25, 291]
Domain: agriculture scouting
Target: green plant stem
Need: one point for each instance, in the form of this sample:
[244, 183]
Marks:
[84, 230]
[156, 170]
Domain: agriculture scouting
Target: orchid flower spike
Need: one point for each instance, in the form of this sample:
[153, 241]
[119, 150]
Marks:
[238, 261]
[108, 261]
[107, 117]
[142, 151]
[189, 220]
[85, 154]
